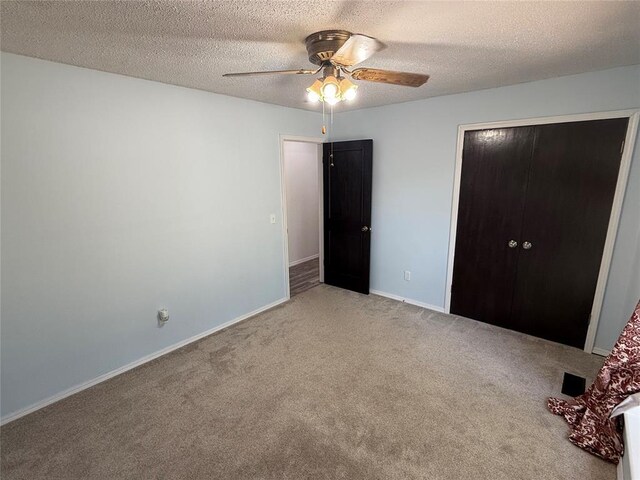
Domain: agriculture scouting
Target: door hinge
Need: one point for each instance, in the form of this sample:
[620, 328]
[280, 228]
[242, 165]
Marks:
[622, 146]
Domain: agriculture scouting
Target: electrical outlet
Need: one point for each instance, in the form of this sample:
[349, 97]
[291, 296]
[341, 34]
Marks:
[407, 275]
[163, 315]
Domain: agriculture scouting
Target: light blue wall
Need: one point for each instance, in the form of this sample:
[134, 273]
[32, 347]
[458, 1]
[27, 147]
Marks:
[414, 156]
[121, 196]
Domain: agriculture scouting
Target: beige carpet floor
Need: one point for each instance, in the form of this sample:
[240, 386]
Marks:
[332, 385]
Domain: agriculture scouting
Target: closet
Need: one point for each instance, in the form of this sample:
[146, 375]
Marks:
[533, 214]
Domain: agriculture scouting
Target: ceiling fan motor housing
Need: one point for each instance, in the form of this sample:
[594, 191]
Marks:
[322, 45]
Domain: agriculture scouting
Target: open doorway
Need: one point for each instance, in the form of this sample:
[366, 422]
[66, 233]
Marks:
[301, 163]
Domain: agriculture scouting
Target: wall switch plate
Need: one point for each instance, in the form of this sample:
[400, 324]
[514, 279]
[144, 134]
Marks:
[407, 275]
[272, 218]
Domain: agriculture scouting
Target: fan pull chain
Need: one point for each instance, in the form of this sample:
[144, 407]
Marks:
[324, 129]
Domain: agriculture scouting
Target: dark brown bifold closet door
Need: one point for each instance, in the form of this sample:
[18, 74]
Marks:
[533, 214]
[572, 182]
[495, 167]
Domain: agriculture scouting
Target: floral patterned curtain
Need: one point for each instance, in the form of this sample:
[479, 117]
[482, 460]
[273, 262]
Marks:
[589, 415]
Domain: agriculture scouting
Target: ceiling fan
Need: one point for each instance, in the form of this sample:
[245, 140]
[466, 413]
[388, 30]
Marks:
[335, 52]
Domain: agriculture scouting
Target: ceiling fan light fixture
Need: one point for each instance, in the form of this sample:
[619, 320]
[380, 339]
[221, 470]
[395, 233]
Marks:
[330, 88]
[314, 92]
[348, 89]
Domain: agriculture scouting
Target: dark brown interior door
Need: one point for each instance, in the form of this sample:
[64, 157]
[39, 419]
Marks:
[495, 165]
[570, 192]
[347, 168]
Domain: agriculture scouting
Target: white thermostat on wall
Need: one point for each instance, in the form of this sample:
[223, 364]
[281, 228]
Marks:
[163, 315]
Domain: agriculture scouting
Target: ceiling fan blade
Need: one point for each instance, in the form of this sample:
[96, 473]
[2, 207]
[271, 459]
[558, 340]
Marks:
[300, 71]
[388, 76]
[357, 49]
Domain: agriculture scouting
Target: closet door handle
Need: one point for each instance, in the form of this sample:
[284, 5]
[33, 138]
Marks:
[512, 244]
[527, 245]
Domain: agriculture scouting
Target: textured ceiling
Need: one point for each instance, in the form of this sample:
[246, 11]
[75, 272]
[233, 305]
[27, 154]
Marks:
[463, 45]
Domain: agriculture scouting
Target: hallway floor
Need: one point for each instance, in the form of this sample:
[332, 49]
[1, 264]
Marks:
[304, 276]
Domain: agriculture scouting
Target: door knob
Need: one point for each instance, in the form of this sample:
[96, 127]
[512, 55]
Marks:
[365, 229]
[512, 244]
[527, 245]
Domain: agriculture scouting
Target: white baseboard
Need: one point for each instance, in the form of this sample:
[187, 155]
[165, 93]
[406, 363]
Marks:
[408, 300]
[302, 260]
[620, 471]
[106, 376]
[600, 351]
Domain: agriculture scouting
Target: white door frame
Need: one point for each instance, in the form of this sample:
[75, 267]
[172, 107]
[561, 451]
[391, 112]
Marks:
[283, 200]
[616, 208]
